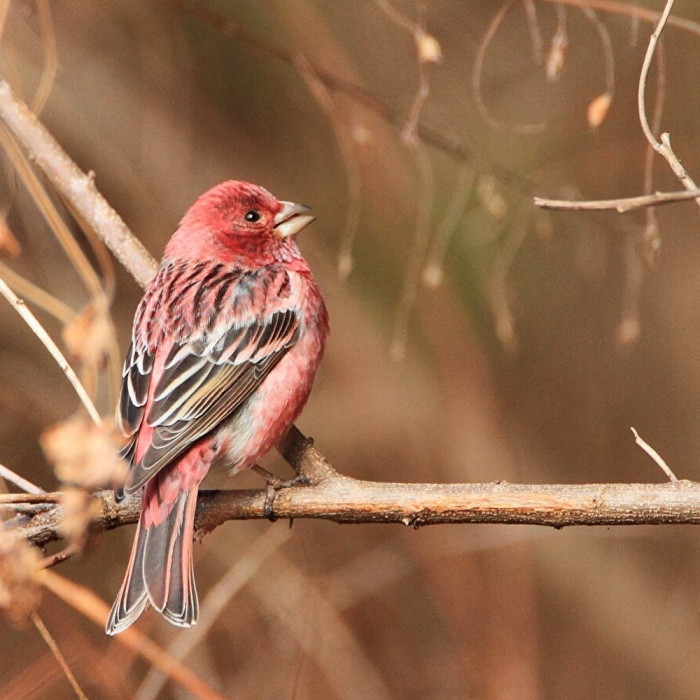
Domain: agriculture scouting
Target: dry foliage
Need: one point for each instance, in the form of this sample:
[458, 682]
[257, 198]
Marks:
[20, 592]
[84, 454]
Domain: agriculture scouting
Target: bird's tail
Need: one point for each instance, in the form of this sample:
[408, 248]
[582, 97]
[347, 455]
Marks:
[160, 570]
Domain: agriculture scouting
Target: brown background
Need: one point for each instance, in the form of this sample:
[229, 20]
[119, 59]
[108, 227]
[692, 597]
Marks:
[162, 106]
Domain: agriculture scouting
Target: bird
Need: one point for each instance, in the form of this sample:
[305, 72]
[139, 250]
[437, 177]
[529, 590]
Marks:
[224, 349]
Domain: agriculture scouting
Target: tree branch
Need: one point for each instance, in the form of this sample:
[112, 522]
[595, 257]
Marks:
[345, 500]
[622, 205]
[664, 146]
[332, 496]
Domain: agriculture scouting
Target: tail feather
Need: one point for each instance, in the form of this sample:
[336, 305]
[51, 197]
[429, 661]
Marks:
[171, 588]
[160, 570]
[132, 598]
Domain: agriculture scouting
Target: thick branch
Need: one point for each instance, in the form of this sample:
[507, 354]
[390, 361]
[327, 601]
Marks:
[341, 499]
[344, 500]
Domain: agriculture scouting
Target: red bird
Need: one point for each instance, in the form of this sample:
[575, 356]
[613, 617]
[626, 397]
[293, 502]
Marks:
[225, 345]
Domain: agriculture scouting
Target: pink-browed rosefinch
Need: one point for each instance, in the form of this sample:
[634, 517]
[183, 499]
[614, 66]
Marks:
[225, 344]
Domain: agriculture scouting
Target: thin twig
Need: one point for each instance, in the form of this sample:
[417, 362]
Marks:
[477, 72]
[533, 28]
[31, 320]
[52, 216]
[346, 146]
[499, 302]
[51, 644]
[30, 497]
[558, 46]
[631, 10]
[654, 455]
[433, 268]
[395, 16]
[651, 239]
[419, 245]
[427, 51]
[409, 132]
[59, 557]
[36, 295]
[634, 31]
[410, 136]
[14, 478]
[648, 57]
[621, 205]
[629, 328]
[48, 42]
[606, 43]
[659, 99]
[662, 147]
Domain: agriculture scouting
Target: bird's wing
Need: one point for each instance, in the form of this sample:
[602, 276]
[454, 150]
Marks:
[133, 396]
[203, 380]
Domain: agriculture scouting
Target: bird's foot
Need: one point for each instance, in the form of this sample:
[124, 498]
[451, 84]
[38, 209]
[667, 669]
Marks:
[275, 484]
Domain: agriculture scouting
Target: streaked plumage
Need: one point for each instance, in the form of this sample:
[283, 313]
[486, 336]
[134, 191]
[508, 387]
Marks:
[225, 344]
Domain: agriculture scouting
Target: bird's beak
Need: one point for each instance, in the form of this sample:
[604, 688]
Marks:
[291, 219]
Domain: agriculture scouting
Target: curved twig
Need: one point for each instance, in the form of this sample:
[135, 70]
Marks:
[662, 147]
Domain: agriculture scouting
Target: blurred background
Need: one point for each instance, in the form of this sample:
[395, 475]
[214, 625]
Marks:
[474, 338]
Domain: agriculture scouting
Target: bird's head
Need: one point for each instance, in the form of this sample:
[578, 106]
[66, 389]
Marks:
[240, 223]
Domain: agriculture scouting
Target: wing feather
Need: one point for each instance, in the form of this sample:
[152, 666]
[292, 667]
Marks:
[134, 390]
[205, 380]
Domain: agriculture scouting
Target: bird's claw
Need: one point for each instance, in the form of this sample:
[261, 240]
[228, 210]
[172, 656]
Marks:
[275, 484]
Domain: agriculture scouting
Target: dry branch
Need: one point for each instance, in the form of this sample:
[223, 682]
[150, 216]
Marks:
[622, 205]
[344, 500]
[31, 320]
[662, 147]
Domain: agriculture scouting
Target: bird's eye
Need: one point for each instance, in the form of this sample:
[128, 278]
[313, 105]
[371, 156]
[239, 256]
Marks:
[252, 215]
